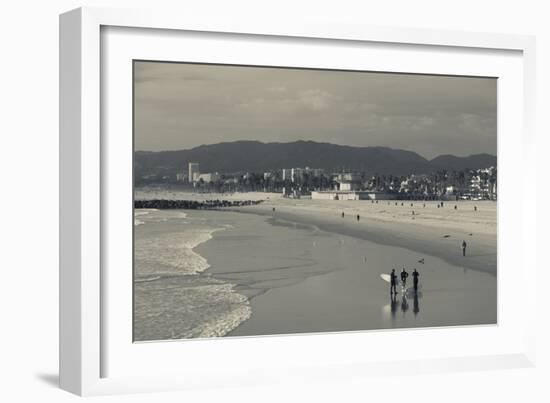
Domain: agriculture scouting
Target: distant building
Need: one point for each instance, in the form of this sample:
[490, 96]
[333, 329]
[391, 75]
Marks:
[208, 177]
[352, 195]
[181, 177]
[286, 174]
[347, 177]
[348, 186]
[193, 172]
[297, 174]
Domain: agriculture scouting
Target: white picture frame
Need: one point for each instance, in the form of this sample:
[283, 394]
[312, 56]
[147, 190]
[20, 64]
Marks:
[88, 348]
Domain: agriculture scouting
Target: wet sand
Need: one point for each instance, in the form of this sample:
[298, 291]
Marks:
[431, 230]
[308, 272]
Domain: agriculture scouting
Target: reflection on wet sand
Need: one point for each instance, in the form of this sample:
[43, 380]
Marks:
[404, 304]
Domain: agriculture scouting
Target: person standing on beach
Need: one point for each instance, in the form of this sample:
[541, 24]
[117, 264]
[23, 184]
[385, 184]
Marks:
[358, 217]
[404, 276]
[415, 275]
[342, 214]
[393, 282]
[464, 248]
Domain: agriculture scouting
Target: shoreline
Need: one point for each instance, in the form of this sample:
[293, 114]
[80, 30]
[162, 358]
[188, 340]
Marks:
[443, 243]
[355, 294]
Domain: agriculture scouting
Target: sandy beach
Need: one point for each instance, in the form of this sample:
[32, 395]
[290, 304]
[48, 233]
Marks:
[294, 266]
[430, 230]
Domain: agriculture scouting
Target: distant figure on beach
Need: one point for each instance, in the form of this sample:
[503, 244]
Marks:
[424, 206]
[342, 214]
[404, 276]
[415, 275]
[393, 282]
[475, 208]
[441, 204]
[273, 208]
[358, 217]
[464, 248]
[456, 206]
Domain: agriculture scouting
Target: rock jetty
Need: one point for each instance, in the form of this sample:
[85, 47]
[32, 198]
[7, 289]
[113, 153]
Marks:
[193, 204]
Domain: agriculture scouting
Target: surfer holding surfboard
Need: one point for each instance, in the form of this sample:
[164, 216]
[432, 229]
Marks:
[404, 276]
[392, 279]
[393, 282]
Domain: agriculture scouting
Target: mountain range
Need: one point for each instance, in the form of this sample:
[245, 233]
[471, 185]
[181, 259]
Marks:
[255, 156]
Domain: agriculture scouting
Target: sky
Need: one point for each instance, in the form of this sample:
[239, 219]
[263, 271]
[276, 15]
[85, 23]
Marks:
[180, 106]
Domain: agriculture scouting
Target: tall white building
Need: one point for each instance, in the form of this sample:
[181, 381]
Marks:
[287, 173]
[193, 172]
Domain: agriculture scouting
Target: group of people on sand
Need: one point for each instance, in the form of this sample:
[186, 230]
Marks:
[404, 275]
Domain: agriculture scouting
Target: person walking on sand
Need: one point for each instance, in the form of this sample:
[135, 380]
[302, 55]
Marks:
[404, 276]
[393, 282]
[464, 248]
[415, 275]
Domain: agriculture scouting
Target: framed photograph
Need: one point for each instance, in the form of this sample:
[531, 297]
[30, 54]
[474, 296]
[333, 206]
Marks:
[250, 202]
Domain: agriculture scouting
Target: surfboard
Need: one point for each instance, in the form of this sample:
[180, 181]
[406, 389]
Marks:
[386, 277]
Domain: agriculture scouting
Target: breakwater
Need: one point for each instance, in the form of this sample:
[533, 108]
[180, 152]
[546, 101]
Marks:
[193, 204]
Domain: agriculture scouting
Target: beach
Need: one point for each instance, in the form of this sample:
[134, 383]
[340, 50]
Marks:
[430, 230]
[296, 265]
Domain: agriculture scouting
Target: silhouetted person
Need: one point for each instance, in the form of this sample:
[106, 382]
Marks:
[464, 248]
[475, 208]
[393, 282]
[404, 276]
[342, 214]
[273, 208]
[456, 206]
[441, 204]
[358, 217]
[415, 275]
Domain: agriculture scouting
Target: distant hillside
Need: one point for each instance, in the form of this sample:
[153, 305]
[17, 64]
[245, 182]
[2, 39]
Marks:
[255, 156]
[451, 162]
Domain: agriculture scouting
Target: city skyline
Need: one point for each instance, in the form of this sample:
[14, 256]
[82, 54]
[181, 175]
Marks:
[181, 106]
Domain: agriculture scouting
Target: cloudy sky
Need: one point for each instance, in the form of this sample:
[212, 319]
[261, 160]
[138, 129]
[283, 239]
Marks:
[181, 106]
